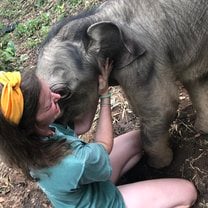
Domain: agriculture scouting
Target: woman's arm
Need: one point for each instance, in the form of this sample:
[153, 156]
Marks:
[104, 131]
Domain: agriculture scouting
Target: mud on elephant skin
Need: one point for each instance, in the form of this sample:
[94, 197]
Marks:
[152, 44]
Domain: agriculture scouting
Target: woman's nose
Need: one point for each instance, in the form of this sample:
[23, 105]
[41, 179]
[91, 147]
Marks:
[56, 96]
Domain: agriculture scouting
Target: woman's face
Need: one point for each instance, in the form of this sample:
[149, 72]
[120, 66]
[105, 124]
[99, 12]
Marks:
[49, 109]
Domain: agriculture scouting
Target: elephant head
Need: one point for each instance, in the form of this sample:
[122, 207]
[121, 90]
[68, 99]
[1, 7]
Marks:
[71, 67]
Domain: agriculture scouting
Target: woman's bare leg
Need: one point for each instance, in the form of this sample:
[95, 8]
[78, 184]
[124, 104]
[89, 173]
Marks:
[126, 152]
[159, 193]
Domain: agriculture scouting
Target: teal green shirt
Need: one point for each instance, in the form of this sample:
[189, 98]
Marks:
[81, 179]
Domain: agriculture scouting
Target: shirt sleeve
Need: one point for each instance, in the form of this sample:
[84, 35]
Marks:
[96, 163]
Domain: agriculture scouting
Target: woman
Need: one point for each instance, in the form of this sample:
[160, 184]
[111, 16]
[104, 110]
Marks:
[73, 173]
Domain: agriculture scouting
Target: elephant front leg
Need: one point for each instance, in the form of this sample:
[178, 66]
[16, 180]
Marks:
[156, 117]
[155, 101]
[156, 106]
[156, 146]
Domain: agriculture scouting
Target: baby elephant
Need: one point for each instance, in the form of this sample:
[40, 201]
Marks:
[152, 44]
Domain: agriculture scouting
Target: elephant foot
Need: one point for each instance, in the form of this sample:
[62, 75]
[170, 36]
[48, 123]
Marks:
[161, 158]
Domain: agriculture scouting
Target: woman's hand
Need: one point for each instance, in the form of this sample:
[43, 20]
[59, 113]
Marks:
[104, 132]
[103, 78]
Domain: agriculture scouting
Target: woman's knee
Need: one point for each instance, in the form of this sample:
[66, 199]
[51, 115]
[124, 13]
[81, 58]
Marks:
[191, 192]
[177, 193]
[188, 194]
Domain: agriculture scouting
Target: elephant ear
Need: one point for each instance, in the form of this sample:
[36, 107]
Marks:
[107, 40]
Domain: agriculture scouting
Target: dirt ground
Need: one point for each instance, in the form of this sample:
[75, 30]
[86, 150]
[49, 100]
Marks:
[190, 158]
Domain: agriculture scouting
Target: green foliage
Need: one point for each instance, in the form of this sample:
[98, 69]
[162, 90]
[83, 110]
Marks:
[35, 18]
[7, 56]
[74, 3]
[32, 26]
[9, 52]
[39, 3]
[60, 8]
[1, 25]
[10, 9]
[8, 59]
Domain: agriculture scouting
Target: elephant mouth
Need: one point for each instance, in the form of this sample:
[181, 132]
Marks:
[63, 90]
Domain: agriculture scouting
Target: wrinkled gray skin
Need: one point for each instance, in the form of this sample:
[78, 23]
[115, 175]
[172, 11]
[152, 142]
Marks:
[152, 44]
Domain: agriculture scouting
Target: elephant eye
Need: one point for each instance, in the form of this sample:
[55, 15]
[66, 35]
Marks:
[63, 90]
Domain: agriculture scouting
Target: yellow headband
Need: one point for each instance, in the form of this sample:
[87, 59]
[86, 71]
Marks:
[11, 98]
